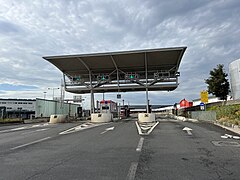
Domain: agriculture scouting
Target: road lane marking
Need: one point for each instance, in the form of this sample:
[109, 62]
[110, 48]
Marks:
[38, 130]
[31, 143]
[132, 171]
[138, 128]
[81, 127]
[188, 130]
[24, 128]
[148, 127]
[140, 144]
[153, 127]
[108, 129]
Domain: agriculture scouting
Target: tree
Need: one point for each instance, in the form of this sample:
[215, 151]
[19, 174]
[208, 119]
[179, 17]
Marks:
[218, 84]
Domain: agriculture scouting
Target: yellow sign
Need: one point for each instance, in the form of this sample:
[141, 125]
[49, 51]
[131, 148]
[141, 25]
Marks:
[204, 96]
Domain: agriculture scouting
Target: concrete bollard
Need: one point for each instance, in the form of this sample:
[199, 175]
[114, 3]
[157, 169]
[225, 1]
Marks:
[58, 118]
[101, 117]
[146, 117]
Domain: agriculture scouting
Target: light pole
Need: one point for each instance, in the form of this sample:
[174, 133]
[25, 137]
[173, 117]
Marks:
[53, 90]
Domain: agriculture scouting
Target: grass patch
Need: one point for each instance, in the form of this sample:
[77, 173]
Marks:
[10, 120]
[227, 113]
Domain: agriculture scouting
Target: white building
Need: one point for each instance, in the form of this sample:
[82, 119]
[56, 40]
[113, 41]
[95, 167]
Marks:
[18, 104]
[234, 71]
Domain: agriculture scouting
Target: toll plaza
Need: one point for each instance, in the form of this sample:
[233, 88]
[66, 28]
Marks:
[138, 70]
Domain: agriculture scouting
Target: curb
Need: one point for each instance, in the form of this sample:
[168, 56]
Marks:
[181, 118]
[235, 130]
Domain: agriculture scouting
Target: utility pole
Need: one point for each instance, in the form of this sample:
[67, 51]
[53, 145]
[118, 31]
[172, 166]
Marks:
[53, 90]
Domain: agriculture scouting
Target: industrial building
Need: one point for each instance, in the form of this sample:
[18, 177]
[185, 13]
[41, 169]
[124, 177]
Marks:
[29, 108]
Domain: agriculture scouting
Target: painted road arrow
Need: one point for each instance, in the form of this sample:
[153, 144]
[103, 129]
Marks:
[108, 129]
[188, 130]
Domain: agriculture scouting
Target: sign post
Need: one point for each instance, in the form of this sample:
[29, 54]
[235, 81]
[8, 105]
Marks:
[202, 106]
[204, 96]
[204, 99]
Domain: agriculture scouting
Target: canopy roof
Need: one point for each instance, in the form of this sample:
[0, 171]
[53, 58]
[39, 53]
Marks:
[137, 61]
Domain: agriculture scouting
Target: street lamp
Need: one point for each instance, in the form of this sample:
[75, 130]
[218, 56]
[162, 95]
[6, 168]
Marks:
[53, 90]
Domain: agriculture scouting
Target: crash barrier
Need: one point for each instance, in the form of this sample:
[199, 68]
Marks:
[146, 117]
[101, 117]
[58, 118]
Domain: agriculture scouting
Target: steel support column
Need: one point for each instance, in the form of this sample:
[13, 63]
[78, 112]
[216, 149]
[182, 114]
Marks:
[146, 85]
[91, 86]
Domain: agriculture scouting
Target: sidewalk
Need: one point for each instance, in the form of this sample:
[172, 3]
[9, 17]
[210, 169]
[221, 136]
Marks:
[234, 128]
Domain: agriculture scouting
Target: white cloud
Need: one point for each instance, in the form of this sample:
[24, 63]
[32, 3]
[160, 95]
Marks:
[30, 30]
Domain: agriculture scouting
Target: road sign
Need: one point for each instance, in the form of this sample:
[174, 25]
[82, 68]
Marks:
[202, 106]
[77, 98]
[204, 96]
[118, 96]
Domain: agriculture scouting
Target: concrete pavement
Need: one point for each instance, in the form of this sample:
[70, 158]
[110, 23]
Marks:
[104, 152]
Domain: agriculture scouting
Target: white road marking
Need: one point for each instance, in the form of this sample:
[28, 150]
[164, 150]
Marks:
[140, 144]
[37, 125]
[153, 127]
[81, 127]
[188, 130]
[226, 136]
[27, 144]
[24, 127]
[132, 171]
[38, 130]
[236, 137]
[15, 129]
[145, 127]
[108, 129]
[138, 128]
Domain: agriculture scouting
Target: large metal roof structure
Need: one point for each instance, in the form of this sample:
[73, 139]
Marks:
[120, 71]
[139, 70]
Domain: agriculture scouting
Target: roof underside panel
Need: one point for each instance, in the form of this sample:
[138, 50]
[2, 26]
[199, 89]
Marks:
[154, 60]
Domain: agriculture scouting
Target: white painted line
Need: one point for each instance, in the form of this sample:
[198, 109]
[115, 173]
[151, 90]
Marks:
[140, 144]
[224, 137]
[27, 144]
[38, 130]
[81, 127]
[228, 135]
[15, 129]
[36, 125]
[189, 132]
[236, 137]
[42, 129]
[132, 171]
[138, 128]
[103, 132]
[108, 129]
[153, 127]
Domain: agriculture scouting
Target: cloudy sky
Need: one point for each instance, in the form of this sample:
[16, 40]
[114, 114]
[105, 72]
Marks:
[31, 29]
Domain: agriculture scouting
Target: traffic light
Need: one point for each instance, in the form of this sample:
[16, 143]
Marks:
[131, 76]
[76, 78]
[103, 77]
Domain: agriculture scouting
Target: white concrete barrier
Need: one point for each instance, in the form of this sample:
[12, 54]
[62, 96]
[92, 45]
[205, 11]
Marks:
[101, 117]
[146, 117]
[58, 118]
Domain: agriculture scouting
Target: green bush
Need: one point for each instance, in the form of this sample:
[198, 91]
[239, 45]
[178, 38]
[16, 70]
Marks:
[227, 113]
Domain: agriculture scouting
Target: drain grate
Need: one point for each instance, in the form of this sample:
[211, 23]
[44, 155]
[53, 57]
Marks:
[226, 143]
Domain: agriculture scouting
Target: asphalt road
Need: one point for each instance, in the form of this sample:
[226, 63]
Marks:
[116, 151]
